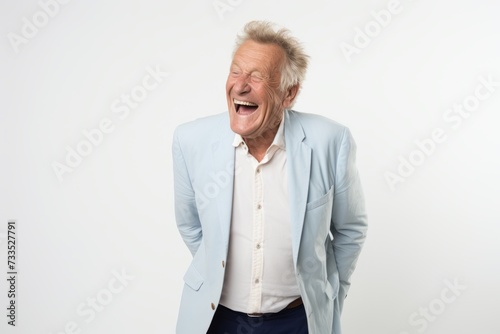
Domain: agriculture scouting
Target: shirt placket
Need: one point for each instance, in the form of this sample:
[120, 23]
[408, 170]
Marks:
[255, 300]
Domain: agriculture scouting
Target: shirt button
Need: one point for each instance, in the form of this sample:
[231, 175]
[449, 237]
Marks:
[223, 264]
[213, 306]
[259, 206]
[257, 281]
[258, 170]
[258, 246]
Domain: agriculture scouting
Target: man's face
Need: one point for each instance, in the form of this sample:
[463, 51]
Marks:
[255, 101]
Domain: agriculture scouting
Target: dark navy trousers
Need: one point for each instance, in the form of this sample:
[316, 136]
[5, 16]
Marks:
[287, 321]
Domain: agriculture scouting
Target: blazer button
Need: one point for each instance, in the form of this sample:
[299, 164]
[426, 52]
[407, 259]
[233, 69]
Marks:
[213, 306]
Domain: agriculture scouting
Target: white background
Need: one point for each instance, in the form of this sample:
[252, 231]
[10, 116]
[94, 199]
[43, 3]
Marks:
[114, 211]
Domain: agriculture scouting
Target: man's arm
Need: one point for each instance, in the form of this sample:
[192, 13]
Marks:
[349, 223]
[186, 212]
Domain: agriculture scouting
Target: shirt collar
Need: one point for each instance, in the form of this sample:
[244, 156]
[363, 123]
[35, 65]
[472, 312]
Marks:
[279, 138]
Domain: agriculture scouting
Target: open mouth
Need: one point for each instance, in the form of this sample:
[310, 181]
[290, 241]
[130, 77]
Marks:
[244, 107]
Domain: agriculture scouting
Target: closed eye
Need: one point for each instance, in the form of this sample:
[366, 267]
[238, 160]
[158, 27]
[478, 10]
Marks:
[256, 78]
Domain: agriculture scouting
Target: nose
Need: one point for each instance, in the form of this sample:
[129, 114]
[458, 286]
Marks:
[241, 85]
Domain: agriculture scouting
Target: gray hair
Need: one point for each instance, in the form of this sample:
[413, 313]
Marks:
[294, 67]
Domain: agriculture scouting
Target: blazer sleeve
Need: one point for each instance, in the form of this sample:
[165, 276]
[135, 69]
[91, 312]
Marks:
[349, 221]
[186, 212]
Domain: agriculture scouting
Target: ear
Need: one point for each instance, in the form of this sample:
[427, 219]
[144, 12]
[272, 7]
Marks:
[290, 96]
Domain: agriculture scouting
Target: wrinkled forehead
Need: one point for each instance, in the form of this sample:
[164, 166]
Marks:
[253, 55]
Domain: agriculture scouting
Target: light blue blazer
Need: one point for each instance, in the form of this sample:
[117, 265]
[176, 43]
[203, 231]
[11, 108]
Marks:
[328, 220]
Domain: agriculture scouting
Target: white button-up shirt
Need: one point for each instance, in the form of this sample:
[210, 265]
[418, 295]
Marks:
[260, 276]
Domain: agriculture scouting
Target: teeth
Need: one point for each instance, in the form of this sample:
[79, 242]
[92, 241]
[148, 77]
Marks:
[245, 103]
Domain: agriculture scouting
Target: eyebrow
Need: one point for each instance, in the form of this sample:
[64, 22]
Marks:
[254, 70]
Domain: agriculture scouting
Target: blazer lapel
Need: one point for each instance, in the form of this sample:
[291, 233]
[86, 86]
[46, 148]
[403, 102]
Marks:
[222, 176]
[298, 167]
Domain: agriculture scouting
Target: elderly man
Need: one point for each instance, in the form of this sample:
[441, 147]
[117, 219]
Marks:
[268, 201]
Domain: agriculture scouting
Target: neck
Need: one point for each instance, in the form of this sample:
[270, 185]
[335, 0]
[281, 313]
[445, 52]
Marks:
[259, 145]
